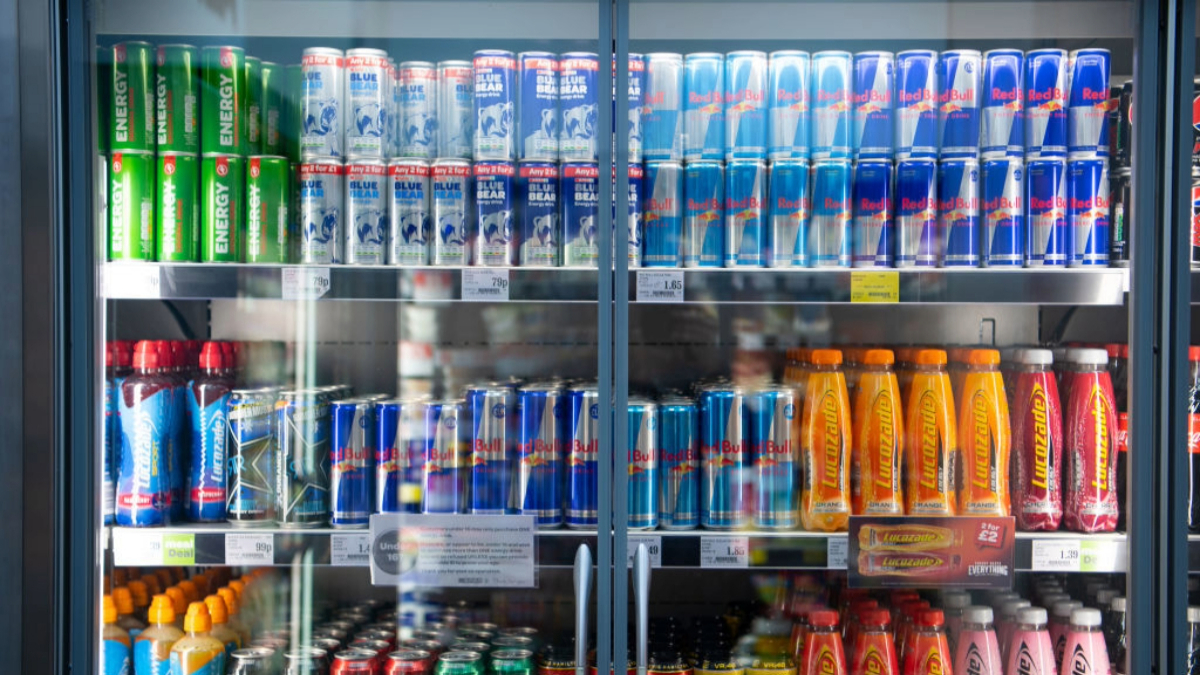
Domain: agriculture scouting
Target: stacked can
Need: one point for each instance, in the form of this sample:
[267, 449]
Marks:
[322, 173]
[1002, 147]
[579, 186]
[1088, 131]
[132, 141]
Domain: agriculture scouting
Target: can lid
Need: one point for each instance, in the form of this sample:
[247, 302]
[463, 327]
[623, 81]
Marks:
[1193, 614]
[823, 617]
[1032, 615]
[827, 357]
[931, 618]
[1091, 357]
[978, 614]
[931, 357]
[1035, 357]
[983, 357]
[1085, 616]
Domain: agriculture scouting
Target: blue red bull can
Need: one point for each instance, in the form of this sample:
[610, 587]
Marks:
[703, 106]
[662, 112]
[537, 214]
[537, 114]
[1003, 196]
[583, 456]
[832, 89]
[958, 211]
[958, 102]
[393, 454]
[788, 206]
[495, 105]
[1046, 84]
[493, 446]
[745, 105]
[873, 237]
[637, 85]
[662, 215]
[352, 463]
[745, 212]
[1088, 126]
[1003, 130]
[829, 233]
[704, 214]
[643, 464]
[1087, 211]
[579, 194]
[579, 97]
[725, 456]
[916, 104]
[1046, 213]
[445, 472]
[774, 448]
[542, 409]
[494, 201]
[679, 456]
[637, 176]
[789, 117]
[916, 213]
[874, 79]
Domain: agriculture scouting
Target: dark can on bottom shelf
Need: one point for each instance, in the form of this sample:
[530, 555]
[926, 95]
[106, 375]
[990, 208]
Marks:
[302, 459]
[251, 497]
[306, 661]
[354, 662]
[460, 663]
[268, 198]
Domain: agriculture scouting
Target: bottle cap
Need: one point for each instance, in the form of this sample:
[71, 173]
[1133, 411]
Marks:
[165, 359]
[110, 356]
[152, 586]
[217, 610]
[1124, 353]
[1062, 610]
[230, 599]
[123, 600]
[1117, 604]
[137, 589]
[1031, 615]
[162, 610]
[238, 587]
[931, 618]
[178, 599]
[876, 617]
[983, 357]
[1193, 353]
[189, 591]
[210, 356]
[826, 618]
[201, 581]
[108, 610]
[1193, 614]
[827, 357]
[978, 614]
[957, 600]
[1035, 357]
[1009, 608]
[197, 619]
[145, 355]
[931, 357]
[1091, 357]
[1085, 616]
[878, 357]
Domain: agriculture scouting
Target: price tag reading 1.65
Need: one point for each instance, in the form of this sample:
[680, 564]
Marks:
[659, 286]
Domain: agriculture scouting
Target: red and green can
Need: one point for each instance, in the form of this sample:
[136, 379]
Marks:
[132, 112]
[222, 186]
[222, 100]
[254, 98]
[131, 206]
[177, 93]
[268, 198]
[272, 109]
[177, 206]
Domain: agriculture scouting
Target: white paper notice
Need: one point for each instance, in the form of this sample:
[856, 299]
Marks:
[131, 280]
[136, 548]
[480, 284]
[249, 548]
[304, 283]
[653, 544]
[1055, 555]
[664, 286]
[453, 551]
[350, 549]
[836, 551]
[720, 551]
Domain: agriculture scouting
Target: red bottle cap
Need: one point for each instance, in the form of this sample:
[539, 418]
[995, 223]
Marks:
[145, 355]
[1113, 349]
[210, 356]
[877, 617]
[1124, 351]
[931, 617]
[109, 355]
[1193, 353]
[822, 618]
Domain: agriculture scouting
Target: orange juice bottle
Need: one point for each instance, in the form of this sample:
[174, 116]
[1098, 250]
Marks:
[877, 462]
[932, 440]
[825, 442]
[875, 651]
[984, 437]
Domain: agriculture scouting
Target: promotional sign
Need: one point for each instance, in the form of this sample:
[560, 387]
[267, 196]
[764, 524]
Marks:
[922, 552]
[452, 551]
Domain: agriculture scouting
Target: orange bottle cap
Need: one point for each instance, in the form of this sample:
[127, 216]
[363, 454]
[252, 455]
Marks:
[189, 591]
[152, 586]
[826, 618]
[123, 600]
[201, 581]
[238, 588]
[197, 619]
[879, 357]
[803, 354]
[217, 610]
[827, 357]
[141, 595]
[931, 357]
[931, 618]
[178, 599]
[230, 597]
[983, 357]
[162, 610]
[108, 610]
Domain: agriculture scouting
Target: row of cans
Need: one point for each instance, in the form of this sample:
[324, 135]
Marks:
[917, 212]
[878, 105]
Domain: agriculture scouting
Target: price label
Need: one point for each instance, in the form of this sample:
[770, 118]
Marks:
[1055, 555]
[304, 283]
[724, 552]
[1102, 556]
[480, 284]
[139, 281]
[137, 548]
[179, 549]
[660, 286]
[350, 549]
[249, 548]
[837, 549]
[875, 286]
[653, 544]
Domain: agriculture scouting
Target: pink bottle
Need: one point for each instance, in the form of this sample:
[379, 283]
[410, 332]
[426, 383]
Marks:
[1085, 653]
[1060, 622]
[1030, 652]
[1006, 623]
[953, 605]
[978, 651]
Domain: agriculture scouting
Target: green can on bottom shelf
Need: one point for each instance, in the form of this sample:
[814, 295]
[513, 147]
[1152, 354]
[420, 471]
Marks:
[131, 206]
[460, 663]
[268, 202]
[177, 95]
[222, 100]
[222, 189]
[512, 662]
[177, 209]
[132, 97]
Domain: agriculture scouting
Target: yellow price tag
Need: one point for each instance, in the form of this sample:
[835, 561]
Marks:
[868, 286]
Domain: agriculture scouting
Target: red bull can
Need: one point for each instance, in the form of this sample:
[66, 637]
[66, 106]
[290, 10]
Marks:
[444, 474]
[351, 463]
[916, 213]
[1046, 212]
[725, 456]
[494, 198]
[408, 212]
[662, 215]
[831, 94]
[830, 232]
[399, 445]
[453, 235]
[774, 448]
[1003, 130]
[704, 214]
[679, 455]
[745, 201]
[542, 410]
[1088, 125]
[583, 456]
[580, 196]
[495, 105]
[1003, 191]
[643, 464]
[703, 106]
[579, 97]
[916, 104]
[367, 98]
[874, 78]
[662, 114]
[455, 122]
[366, 212]
[1046, 85]
[1087, 211]
[537, 215]
[321, 102]
[538, 115]
[958, 102]
[788, 206]
[790, 119]
[493, 448]
[873, 236]
[958, 211]
[746, 105]
[322, 191]
[418, 111]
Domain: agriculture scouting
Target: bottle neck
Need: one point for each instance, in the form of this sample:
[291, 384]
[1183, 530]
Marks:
[825, 368]
[978, 627]
[876, 368]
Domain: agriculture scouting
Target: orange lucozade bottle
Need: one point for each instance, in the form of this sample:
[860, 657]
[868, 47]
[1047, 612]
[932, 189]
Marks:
[823, 650]
[984, 437]
[825, 442]
[930, 652]
[932, 439]
[875, 650]
[878, 459]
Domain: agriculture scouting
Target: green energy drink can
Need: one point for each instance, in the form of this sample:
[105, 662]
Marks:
[272, 109]
[254, 98]
[104, 83]
[177, 211]
[293, 84]
[177, 92]
[131, 206]
[268, 196]
[132, 112]
[222, 100]
[222, 184]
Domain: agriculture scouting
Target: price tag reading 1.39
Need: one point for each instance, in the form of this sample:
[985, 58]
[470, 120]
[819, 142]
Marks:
[655, 286]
